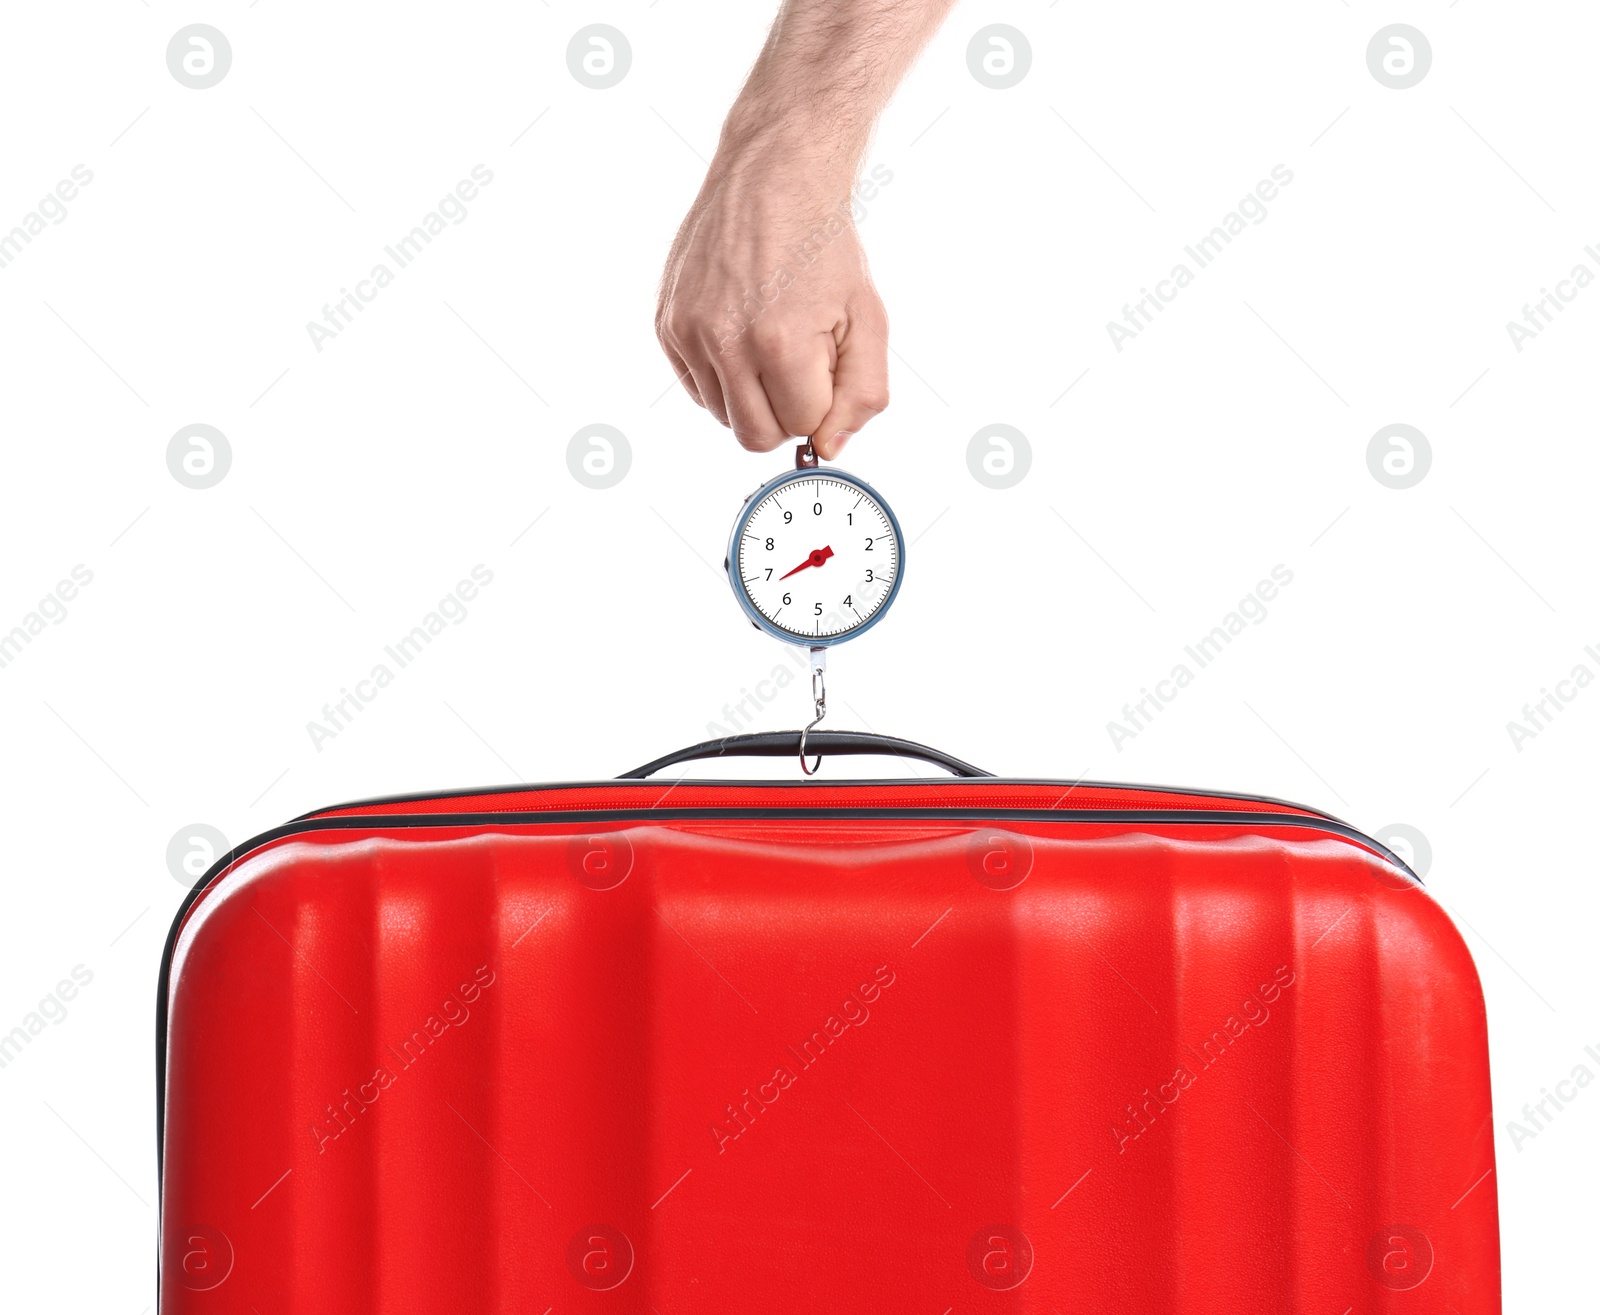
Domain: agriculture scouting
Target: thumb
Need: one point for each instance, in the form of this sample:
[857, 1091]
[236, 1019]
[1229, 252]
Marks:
[860, 384]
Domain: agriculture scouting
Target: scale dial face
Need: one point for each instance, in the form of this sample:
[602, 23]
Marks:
[816, 557]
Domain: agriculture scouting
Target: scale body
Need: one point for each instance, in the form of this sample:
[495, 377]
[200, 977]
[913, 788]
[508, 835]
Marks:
[827, 542]
[816, 557]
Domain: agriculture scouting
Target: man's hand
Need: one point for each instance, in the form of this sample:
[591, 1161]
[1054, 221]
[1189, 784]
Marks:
[767, 311]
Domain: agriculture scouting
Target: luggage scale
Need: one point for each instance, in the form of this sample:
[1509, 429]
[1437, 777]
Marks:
[815, 558]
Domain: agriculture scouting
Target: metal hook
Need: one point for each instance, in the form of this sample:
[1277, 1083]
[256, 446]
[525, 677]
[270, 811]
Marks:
[809, 771]
[805, 456]
[819, 705]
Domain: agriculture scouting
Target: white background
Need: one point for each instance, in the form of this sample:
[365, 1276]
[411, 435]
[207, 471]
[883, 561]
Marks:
[367, 478]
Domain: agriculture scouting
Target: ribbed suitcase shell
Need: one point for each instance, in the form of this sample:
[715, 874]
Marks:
[882, 1047]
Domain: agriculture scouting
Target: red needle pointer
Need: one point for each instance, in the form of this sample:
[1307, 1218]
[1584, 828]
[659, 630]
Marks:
[818, 556]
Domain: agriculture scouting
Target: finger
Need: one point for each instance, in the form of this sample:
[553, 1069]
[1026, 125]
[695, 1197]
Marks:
[684, 376]
[754, 424]
[797, 379]
[704, 374]
[860, 386]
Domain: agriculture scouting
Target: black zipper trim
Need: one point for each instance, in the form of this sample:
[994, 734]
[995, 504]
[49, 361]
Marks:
[402, 822]
[984, 782]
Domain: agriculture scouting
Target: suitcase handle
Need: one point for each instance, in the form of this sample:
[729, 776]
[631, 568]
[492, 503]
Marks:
[785, 744]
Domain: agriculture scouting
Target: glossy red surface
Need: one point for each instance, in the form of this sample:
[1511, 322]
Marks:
[823, 1064]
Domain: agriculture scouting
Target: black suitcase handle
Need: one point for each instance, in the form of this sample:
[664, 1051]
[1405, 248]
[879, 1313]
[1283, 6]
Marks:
[786, 744]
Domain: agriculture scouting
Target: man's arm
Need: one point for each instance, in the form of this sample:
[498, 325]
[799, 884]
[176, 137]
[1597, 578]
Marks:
[767, 311]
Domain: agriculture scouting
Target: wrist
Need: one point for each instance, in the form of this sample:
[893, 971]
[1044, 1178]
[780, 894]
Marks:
[794, 151]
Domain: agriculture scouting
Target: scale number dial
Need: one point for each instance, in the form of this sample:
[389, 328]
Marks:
[816, 557]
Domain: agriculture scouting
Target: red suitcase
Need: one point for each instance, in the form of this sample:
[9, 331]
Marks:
[922, 1046]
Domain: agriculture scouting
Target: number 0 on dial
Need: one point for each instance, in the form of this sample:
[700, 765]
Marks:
[816, 557]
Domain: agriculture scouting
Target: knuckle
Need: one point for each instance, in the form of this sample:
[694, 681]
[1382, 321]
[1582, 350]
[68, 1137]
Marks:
[756, 431]
[874, 398]
[676, 324]
[771, 338]
[756, 441]
[801, 419]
